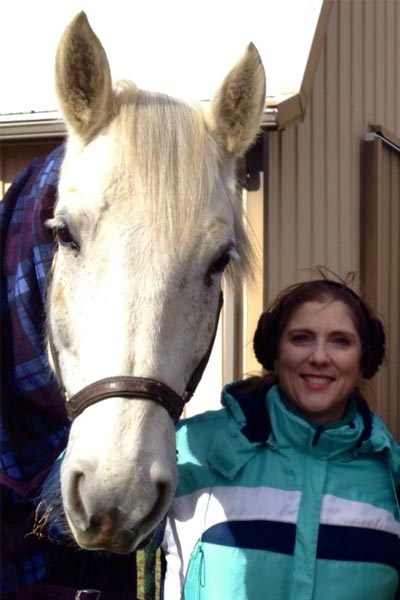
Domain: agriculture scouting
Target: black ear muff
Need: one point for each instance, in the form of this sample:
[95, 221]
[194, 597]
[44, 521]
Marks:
[374, 352]
[263, 341]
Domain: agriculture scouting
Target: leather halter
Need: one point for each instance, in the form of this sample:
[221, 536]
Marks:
[136, 388]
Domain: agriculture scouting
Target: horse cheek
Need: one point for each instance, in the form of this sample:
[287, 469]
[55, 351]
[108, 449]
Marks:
[59, 320]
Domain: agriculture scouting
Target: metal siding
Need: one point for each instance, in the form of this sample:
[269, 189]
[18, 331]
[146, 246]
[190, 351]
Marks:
[395, 69]
[304, 185]
[389, 381]
[314, 179]
[347, 216]
[391, 67]
[15, 156]
[317, 118]
[381, 275]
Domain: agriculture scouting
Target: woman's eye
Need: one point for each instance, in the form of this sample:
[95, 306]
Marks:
[341, 340]
[300, 338]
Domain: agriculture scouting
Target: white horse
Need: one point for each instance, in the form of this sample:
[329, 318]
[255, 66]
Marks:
[146, 222]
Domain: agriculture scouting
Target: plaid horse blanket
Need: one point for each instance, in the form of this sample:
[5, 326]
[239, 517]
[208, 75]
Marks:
[34, 423]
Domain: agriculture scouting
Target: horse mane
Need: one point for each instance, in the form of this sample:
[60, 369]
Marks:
[176, 166]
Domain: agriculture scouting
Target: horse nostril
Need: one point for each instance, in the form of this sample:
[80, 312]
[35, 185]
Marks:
[164, 492]
[163, 500]
[75, 497]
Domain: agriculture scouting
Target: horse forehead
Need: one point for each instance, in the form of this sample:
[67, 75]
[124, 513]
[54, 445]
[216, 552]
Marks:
[123, 185]
[85, 171]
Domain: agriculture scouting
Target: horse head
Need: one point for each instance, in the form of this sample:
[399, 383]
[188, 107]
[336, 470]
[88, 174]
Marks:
[146, 222]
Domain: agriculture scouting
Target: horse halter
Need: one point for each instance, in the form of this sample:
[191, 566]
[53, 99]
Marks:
[136, 388]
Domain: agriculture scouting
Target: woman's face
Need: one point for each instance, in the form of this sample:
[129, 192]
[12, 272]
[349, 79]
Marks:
[319, 357]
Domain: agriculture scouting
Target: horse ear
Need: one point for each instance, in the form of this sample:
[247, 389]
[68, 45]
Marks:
[235, 112]
[83, 78]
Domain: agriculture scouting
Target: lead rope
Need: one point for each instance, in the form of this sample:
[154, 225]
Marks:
[150, 563]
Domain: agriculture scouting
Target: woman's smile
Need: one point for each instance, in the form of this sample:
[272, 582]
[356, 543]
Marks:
[317, 382]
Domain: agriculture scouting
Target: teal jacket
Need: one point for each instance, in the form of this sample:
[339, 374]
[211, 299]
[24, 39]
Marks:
[270, 507]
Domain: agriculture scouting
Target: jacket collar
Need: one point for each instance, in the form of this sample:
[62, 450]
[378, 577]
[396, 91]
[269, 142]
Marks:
[291, 430]
[260, 418]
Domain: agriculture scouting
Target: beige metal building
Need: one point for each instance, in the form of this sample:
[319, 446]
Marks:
[323, 183]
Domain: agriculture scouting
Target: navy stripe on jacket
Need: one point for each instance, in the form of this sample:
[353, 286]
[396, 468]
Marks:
[335, 542]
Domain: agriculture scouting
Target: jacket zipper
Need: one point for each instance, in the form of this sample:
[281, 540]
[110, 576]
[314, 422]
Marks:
[196, 566]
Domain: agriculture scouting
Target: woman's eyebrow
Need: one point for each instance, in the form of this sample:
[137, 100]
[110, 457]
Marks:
[345, 332]
[300, 330]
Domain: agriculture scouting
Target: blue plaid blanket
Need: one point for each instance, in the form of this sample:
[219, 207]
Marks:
[34, 423]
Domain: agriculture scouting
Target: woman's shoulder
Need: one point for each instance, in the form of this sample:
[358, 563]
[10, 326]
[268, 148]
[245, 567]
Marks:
[381, 431]
[201, 426]
[201, 420]
[382, 440]
[194, 437]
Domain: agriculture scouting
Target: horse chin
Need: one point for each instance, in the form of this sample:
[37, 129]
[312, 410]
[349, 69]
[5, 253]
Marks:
[121, 542]
[107, 537]
[118, 542]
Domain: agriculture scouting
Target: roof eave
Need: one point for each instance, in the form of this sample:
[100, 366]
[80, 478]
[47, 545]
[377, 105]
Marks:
[35, 125]
[291, 109]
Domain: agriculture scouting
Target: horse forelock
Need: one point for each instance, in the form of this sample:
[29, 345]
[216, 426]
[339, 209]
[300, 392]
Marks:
[165, 147]
[175, 166]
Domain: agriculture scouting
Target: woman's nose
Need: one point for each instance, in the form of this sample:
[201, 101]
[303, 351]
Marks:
[319, 354]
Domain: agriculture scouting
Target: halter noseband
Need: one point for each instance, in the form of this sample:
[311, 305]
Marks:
[126, 387]
[136, 388]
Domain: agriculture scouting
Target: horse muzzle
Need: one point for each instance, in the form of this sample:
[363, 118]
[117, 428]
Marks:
[101, 517]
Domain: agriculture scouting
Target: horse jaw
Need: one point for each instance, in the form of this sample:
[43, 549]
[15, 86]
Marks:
[113, 499]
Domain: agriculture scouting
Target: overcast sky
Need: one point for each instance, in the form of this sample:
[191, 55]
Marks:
[182, 47]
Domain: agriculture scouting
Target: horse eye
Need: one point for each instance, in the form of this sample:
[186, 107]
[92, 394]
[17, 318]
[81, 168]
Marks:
[218, 266]
[64, 237]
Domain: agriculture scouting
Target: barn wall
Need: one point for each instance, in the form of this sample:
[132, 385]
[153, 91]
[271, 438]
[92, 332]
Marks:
[315, 181]
[381, 267]
[15, 155]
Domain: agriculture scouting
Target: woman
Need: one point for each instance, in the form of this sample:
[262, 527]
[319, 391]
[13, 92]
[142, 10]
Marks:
[290, 491]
